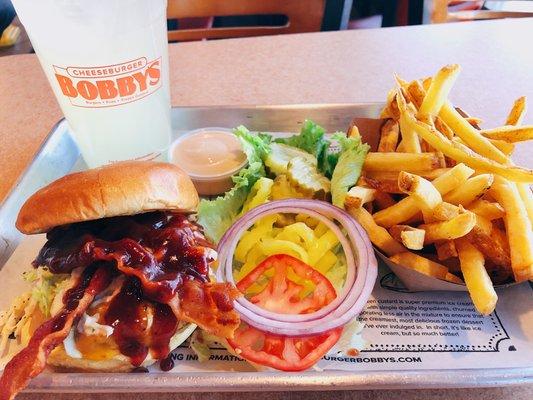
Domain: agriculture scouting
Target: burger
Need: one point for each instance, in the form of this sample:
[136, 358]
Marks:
[131, 272]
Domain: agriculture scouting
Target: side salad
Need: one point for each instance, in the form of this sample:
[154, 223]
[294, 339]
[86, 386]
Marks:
[308, 165]
[304, 267]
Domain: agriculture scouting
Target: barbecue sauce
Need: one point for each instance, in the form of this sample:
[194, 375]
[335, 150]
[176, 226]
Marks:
[130, 314]
[156, 251]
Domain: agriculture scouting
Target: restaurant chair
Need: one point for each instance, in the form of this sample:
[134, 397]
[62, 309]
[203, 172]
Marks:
[298, 16]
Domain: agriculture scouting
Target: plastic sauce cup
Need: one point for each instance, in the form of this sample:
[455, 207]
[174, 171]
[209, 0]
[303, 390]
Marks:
[210, 156]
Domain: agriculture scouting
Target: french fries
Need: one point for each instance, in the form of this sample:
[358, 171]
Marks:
[429, 174]
[518, 227]
[387, 185]
[527, 197]
[441, 126]
[506, 148]
[509, 133]
[491, 241]
[377, 234]
[474, 121]
[389, 136]
[487, 209]
[470, 135]
[400, 147]
[462, 154]
[446, 250]
[391, 109]
[453, 279]
[416, 92]
[473, 188]
[383, 200]
[447, 193]
[410, 141]
[412, 238]
[354, 132]
[424, 193]
[407, 207]
[438, 91]
[447, 230]
[476, 277]
[401, 161]
[516, 115]
[446, 211]
[358, 196]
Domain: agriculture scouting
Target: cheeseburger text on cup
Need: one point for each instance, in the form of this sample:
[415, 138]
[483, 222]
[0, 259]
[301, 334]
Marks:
[111, 85]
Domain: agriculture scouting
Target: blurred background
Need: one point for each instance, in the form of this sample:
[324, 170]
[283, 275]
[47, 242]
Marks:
[190, 20]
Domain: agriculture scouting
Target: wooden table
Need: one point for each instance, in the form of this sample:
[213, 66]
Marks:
[332, 67]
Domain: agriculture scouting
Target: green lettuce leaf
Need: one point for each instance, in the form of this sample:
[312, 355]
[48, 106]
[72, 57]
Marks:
[329, 162]
[256, 147]
[312, 140]
[348, 168]
[217, 215]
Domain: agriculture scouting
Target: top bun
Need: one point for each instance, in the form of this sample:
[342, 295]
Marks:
[122, 188]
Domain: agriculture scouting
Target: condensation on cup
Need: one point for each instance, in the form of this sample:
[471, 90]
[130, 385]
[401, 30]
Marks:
[107, 63]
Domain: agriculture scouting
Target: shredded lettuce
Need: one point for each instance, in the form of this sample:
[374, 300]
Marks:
[201, 342]
[200, 346]
[348, 168]
[18, 321]
[45, 287]
[217, 215]
[351, 339]
[337, 273]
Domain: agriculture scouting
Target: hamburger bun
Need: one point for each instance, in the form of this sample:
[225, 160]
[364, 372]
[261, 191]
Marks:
[117, 363]
[122, 188]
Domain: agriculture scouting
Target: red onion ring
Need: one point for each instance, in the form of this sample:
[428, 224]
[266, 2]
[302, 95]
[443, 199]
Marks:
[350, 275]
[354, 294]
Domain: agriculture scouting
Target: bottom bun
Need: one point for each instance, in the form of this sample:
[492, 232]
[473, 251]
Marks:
[59, 359]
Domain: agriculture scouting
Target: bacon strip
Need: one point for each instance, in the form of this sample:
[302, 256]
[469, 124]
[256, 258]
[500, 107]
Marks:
[208, 305]
[31, 361]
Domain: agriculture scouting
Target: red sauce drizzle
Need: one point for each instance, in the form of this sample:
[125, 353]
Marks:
[128, 315]
[166, 364]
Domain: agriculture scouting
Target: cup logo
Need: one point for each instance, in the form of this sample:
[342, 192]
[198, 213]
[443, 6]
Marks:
[111, 85]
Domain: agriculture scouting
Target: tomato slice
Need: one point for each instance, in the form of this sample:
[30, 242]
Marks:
[282, 352]
[282, 294]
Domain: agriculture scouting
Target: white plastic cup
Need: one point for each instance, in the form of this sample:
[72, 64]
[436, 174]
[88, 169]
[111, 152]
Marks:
[107, 63]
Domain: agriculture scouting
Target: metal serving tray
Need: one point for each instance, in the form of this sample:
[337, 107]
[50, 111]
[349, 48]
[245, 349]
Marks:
[59, 155]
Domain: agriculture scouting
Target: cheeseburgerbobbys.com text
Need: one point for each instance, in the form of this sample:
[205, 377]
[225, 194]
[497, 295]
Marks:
[374, 360]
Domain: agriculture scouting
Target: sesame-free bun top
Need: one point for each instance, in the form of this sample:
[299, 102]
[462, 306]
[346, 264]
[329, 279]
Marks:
[122, 188]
